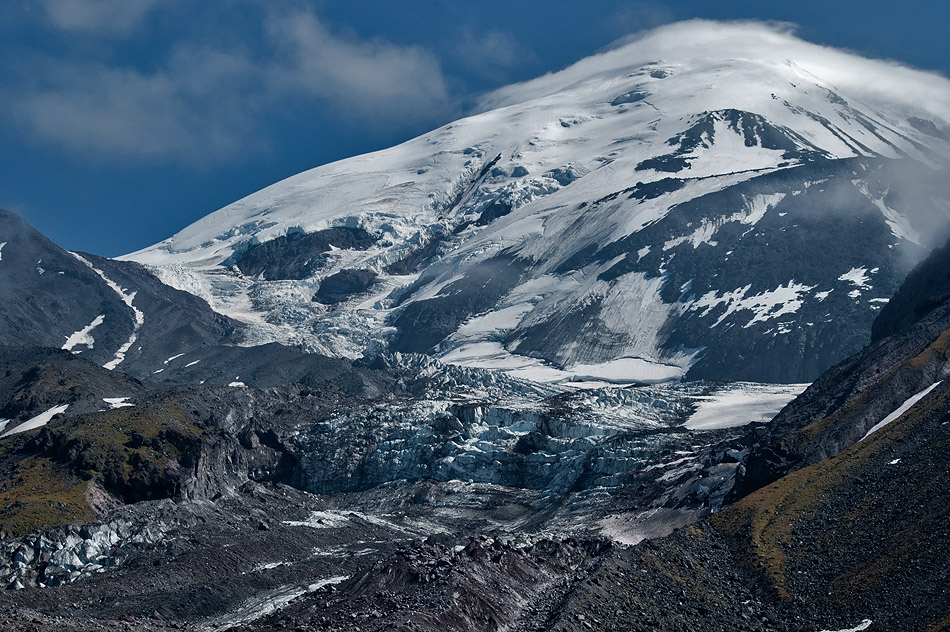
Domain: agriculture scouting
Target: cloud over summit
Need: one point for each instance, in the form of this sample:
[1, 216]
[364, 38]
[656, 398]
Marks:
[701, 42]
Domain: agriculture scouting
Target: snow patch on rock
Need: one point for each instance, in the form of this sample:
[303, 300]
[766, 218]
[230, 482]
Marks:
[84, 335]
[117, 402]
[857, 276]
[909, 403]
[127, 298]
[785, 299]
[36, 422]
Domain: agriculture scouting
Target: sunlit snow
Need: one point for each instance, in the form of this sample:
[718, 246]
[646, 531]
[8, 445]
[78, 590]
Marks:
[117, 402]
[857, 276]
[36, 422]
[740, 404]
[785, 299]
[903, 408]
[84, 335]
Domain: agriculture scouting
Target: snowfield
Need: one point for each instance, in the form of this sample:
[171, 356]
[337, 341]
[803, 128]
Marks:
[740, 404]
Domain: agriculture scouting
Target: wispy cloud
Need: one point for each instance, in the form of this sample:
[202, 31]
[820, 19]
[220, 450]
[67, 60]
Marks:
[205, 103]
[101, 17]
[372, 78]
[183, 112]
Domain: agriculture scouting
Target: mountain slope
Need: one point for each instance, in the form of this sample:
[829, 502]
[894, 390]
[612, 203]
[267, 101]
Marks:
[853, 541]
[120, 316]
[50, 298]
[856, 540]
[662, 209]
[851, 398]
[851, 531]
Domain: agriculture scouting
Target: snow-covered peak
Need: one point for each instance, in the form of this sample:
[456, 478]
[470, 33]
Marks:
[617, 108]
[704, 47]
[584, 221]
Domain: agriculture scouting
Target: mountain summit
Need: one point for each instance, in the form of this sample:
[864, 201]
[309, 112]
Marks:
[706, 200]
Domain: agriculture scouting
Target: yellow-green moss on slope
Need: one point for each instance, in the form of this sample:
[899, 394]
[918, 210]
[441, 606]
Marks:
[935, 354]
[763, 525]
[940, 348]
[135, 453]
[41, 494]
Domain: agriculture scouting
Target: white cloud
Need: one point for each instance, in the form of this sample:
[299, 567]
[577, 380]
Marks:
[203, 104]
[372, 78]
[185, 112]
[101, 17]
[491, 54]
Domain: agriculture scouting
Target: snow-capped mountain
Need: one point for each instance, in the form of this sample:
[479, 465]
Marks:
[707, 200]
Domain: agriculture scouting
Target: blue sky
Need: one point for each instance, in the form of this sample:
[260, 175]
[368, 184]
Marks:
[122, 121]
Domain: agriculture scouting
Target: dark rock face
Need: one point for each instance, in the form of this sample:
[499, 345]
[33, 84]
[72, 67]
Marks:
[274, 364]
[924, 290]
[851, 397]
[48, 294]
[424, 324]
[297, 255]
[33, 379]
[630, 97]
[496, 209]
[338, 287]
[752, 128]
